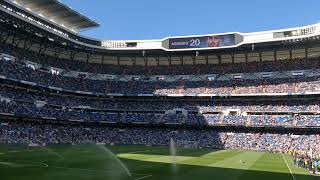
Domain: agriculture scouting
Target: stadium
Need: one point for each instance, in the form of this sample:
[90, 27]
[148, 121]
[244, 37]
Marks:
[231, 105]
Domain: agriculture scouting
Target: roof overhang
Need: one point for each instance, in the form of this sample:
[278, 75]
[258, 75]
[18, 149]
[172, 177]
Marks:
[59, 13]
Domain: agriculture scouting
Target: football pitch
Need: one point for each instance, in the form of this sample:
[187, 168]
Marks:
[90, 162]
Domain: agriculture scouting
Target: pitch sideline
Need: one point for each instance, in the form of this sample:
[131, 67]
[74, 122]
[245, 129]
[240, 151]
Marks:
[288, 166]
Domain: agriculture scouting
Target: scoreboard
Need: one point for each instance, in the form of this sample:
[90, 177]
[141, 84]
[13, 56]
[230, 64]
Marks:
[202, 42]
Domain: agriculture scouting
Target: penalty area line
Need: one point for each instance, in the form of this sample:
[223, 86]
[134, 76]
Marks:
[134, 152]
[288, 166]
[147, 176]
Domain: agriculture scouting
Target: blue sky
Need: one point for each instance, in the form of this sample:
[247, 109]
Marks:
[156, 19]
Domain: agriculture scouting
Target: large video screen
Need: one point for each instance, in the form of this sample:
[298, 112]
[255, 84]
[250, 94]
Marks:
[202, 42]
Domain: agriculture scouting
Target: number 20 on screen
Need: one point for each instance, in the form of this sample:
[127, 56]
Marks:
[195, 42]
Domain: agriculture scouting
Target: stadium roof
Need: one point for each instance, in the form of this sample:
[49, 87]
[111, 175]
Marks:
[59, 13]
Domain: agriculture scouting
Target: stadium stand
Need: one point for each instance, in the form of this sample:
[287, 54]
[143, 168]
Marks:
[56, 82]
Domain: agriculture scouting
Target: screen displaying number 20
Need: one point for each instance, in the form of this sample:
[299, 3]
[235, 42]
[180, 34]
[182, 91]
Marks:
[195, 42]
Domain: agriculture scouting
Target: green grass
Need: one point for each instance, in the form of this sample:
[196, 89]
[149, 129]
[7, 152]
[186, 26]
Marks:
[89, 162]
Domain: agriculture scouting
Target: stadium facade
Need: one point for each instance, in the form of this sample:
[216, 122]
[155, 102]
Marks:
[201, 89]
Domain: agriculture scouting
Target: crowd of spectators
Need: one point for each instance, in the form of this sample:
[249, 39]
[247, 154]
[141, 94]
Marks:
[15, 70]
[32, 110]
[31, 96]
[19, 70]
[34, 103]
[40, 133]
[228, 68]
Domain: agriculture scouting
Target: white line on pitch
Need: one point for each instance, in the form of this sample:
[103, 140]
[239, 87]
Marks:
[143, 177]
[288, 167]
[133, 152]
